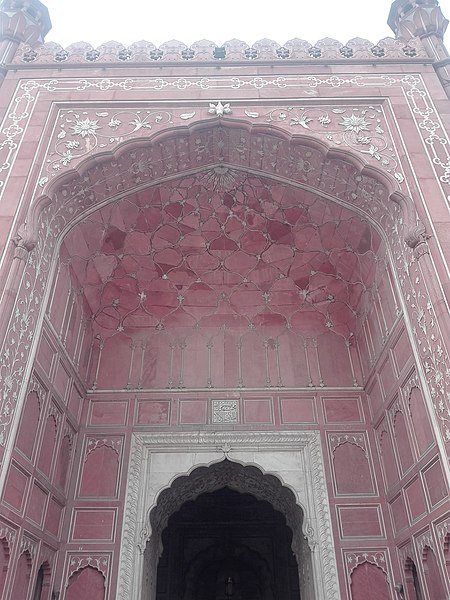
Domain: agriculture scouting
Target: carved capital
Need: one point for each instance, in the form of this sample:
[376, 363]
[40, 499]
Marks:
[416, 238]
[24, 241]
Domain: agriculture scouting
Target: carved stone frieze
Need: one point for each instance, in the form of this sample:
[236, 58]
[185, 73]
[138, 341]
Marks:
[28, 545]
[360, 128]
[304, 85]
[411, 383]
[81, 560]
[358, 439]
[234, 50]
[9, 534]
[35, 385]
[424, 540]
[47, 555]
[378, 558]
[396, 407]
[111, 442]
[406, 552]
[443, 532]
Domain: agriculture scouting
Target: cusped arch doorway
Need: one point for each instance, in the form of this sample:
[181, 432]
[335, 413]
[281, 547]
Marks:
[227, 532]
[227, 545]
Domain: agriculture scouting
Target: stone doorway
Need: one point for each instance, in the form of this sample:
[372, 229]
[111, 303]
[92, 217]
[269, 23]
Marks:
[226, 545]
[283, 472]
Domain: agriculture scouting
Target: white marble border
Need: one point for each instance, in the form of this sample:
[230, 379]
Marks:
[295, 458]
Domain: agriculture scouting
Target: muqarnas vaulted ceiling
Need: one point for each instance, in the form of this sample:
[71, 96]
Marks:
[224, 250]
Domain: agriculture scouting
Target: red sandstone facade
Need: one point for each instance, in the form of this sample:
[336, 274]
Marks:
[225, 283]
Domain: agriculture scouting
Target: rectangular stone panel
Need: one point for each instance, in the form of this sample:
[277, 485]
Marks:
[388, 378]
[357, 521]
[342, 410]
[36, 505]
[415, 499]
[61, 381]
[109, 413]
[436, 486]
[402, 350]
[376, 397]
[351, 464]
[53, 517]
[193, 412]
[399, 515]
[258, 410]
[45, 354]
[153, 412]
[75, 398]
[101, 467]
[15, 487]
[297, 410]
[225, 411]
[93, 525]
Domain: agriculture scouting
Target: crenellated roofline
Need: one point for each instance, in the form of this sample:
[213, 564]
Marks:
[205, 51]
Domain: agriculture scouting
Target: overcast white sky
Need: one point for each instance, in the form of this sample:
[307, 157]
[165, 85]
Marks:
[97, 21]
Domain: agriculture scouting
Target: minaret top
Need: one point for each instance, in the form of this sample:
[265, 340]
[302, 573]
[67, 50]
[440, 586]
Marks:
[26, 21]
[417, 18]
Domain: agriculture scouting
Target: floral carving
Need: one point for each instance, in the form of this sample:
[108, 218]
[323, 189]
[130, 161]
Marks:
[94, 443]
[416, 238]
[24, 241]
[85, 127]
[378, 558]
[97, 561]
[355, 124]
[219, 109]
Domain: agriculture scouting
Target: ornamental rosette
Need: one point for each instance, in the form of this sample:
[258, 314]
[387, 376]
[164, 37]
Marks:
[85, 127]
[355, 124]
[219, 109]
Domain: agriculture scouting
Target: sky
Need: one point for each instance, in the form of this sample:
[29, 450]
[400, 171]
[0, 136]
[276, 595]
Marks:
[98, 21]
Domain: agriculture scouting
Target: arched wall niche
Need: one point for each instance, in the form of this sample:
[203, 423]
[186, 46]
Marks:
[285, 470]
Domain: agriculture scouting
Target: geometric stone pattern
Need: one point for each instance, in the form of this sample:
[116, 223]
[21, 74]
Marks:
[234, 50]
[224, 250]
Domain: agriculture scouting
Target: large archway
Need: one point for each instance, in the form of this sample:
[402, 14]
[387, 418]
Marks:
[228, 259]
[250, 481]
[221, 156]
[285, 471]
[227, 545]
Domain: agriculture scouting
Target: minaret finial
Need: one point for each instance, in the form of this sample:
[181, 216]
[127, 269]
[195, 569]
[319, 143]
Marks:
[417, 18]
[24, 21]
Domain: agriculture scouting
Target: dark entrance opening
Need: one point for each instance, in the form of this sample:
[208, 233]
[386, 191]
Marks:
[227, 545]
